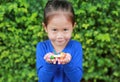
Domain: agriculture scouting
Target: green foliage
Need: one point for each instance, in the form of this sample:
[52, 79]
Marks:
[98, 29]
[20, 26]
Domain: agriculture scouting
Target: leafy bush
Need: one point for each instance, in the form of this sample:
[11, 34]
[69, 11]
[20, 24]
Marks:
[20, 31]
[98, 28]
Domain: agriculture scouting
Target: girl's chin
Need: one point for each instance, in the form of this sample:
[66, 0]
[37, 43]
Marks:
[60, 43]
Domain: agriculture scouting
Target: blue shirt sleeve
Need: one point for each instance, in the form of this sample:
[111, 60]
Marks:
[45, 71]
[73, 69]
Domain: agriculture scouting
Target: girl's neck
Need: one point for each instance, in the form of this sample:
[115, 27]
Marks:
[58, 49]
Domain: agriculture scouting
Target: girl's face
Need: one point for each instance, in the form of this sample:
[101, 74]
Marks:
[59, 29]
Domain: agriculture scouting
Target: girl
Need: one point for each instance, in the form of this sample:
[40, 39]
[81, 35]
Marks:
[59, 21]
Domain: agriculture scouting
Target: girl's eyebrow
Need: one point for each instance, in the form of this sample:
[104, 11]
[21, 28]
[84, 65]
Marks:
[53, 27]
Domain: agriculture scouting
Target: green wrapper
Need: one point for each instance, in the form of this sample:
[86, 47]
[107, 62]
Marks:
[52, 57]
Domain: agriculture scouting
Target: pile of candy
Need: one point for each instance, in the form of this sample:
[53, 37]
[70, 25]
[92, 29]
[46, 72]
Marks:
[62, 55]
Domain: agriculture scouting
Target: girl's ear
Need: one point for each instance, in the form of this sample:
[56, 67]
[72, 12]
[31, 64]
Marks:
[45, 27]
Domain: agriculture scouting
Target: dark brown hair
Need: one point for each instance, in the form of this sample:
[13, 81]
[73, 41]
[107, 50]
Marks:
[58, 5]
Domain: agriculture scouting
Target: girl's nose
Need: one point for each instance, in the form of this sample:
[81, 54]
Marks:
[59, 35]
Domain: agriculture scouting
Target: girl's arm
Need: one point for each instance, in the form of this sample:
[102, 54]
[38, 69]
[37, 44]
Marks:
[45, 70]
[73, 69]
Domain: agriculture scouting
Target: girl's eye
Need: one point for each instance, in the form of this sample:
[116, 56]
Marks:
[65, 29]
[54, 29]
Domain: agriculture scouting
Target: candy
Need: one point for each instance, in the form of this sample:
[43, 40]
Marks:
[62, 55]
[57, 56]
[52, 57]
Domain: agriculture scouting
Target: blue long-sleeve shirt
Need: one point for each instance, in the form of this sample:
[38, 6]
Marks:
[70, 72]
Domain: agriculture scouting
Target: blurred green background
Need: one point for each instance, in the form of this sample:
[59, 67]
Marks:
[98, 30]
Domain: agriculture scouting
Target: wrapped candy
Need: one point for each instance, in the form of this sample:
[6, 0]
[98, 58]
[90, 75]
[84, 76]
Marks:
[62, 55]
[52, 57]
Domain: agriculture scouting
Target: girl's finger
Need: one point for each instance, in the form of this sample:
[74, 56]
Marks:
[47, 55]
[54, 62]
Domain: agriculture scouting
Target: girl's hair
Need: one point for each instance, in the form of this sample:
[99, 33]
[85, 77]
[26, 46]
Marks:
[58, 5]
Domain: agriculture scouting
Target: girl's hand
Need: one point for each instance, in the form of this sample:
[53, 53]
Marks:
[66, 60]
[48, 58]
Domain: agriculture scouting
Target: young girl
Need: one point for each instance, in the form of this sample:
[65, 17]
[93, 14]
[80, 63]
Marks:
[59, 21]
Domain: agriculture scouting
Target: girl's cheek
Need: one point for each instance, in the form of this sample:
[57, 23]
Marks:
[68, 36]
[51, 37]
